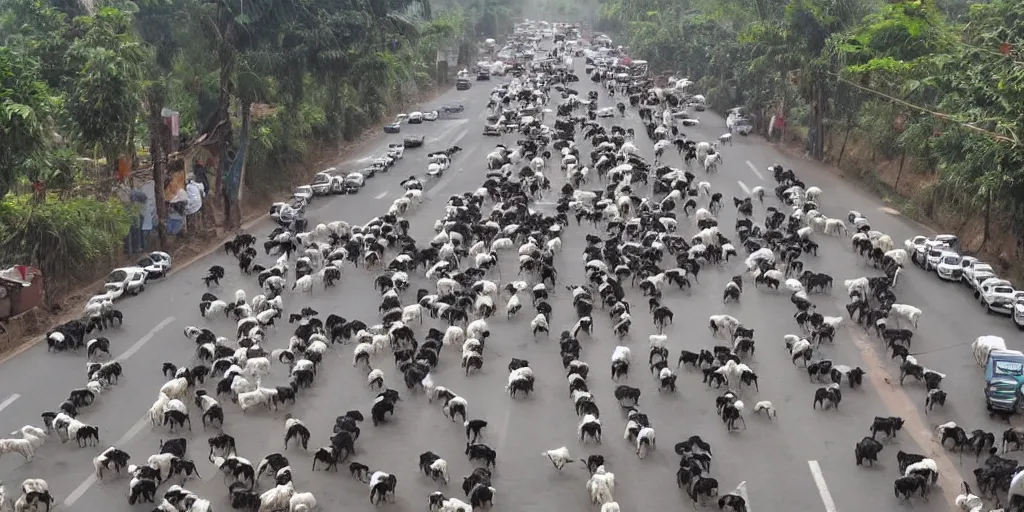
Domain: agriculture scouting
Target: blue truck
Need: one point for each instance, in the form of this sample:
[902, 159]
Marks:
[1004, 375]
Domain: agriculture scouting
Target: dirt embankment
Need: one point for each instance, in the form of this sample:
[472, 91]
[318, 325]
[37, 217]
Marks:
[910, 187]
[22, 330]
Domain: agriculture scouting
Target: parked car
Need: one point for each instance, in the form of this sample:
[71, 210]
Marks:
[321, 184]
[965, 263]
[492, 130]
[979, 277]
[1004, 374]
[997, 296]
[606, 112]
[303, 192]
[382, 164]
[396, 150]
[948, 267]
[287, 213]
[463, 84]
[1018, 311]
[355, 179]
[453, 109]
[413, 141]
[338, 185]
[415, 117]
[738, 120]
[913, 245]
[972, 267]
[933, 247]
[156, 264]
[122, 281]
[697, 103]
[483, 74]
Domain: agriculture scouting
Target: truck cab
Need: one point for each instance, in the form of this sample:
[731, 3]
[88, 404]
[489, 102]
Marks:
[1004, 374]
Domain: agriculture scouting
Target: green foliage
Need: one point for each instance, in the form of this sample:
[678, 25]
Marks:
[949, 73]
[77, 83]
[26, 110]
[105, 70]
[67, 238]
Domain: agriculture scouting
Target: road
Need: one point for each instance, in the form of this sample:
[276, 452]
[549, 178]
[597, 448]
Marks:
[803, 460]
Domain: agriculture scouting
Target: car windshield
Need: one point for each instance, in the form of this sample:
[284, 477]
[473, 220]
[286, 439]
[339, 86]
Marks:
[919, 240]
[321, 178]
[145, 262]
[951, 260]
[934, 253]
[117, 276]
[1008, 369]
[983, 268]
[1002, 289]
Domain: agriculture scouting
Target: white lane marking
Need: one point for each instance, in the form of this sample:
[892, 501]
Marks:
[450, 129]
[381, 195]
[10, 400]
[89, 482]
[819, 481]
[744, 187]
[145, 339]
[754, 168]
[460, 136]
[448, 177]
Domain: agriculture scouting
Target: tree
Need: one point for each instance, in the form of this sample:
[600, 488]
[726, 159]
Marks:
[27, 108]
[107, 64]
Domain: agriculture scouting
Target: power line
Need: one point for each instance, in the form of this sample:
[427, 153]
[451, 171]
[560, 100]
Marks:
[939, 115]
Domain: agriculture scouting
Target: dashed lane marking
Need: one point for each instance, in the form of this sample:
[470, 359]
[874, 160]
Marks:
[91, 480]
[742, 185]
[10, 400]
[819, 481]
[754, 168]
[381, 195]
[145, 339]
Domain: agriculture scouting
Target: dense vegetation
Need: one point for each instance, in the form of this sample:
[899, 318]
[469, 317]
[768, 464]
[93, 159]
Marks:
[83, 83]
[931, 88]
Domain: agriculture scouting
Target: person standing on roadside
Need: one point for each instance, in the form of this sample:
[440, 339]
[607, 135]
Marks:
[779, 129]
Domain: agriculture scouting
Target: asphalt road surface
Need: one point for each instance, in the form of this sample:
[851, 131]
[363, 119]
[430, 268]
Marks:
[802, 461]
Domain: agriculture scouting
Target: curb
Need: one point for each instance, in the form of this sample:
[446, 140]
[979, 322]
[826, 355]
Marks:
[31, 342]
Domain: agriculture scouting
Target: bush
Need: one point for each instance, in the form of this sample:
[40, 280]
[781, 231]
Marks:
[66, 239]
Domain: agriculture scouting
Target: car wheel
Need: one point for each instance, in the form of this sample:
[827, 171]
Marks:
[1019, 326]
[977, 295]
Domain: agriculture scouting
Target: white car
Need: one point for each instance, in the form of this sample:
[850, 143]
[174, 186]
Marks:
[914, 245]
[606, 112]
[948, 267]
[156, 264]
[965, 263]
[396, 150]
[1018, 311]
[303, 192]
[430, 116]
[321, 185]
[997, 296]
[927, 255]
[356, 178]
[415, 117]
[976, 266]
[979, 277]
[121, 281]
